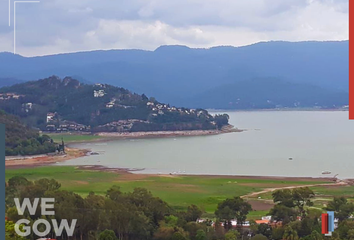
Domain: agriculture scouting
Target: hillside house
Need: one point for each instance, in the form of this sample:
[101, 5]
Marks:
[51, 128]
[99, 85]
[27, 107]
[110, 104]
[50, 117]
[262, 221]
[9, 96]
[99, 93]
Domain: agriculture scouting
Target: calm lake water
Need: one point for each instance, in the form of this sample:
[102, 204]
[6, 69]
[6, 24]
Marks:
[317, 141]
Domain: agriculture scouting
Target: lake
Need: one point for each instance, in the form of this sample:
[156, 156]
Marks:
[316, 141]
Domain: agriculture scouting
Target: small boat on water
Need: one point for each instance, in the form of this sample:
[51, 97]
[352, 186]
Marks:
[93, 153]
[326, 172]
[290, 158]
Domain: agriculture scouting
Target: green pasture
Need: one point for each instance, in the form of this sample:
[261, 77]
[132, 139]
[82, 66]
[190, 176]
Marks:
[179, 191]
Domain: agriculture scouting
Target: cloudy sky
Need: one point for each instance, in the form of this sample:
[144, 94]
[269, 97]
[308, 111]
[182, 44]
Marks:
[58, 26]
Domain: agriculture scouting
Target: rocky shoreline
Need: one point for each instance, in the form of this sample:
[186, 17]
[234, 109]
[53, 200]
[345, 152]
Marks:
[128, 135]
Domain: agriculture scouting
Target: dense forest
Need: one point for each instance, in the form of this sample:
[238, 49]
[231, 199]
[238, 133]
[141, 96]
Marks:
[98, 107]
[139, 215]
[21, 140]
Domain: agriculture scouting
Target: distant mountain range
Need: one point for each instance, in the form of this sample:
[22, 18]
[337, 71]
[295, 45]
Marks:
[269, 93]
[267, 74]
[55, 104]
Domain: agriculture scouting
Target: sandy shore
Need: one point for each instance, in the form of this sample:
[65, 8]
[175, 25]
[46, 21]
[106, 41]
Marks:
[41, 160]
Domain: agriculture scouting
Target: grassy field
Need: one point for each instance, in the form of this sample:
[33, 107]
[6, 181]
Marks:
[345, 191]
[179, 191]
[324, 194]
[70, 138]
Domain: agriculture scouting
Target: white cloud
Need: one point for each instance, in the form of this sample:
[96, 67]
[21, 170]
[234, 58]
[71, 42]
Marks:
[134, 34]
[80, 10]
[65, 26]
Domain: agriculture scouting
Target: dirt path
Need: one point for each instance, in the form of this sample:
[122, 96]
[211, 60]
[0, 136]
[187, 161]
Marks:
[267, 190]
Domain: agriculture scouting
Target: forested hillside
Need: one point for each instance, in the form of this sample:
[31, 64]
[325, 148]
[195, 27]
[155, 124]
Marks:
[21, 140]
[56, 104]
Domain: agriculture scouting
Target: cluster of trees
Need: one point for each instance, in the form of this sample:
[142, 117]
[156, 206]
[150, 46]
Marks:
[300, 220]
[21, 140]
[75, 101]
[133, 215]
[117, 215]
[139, 215]
[221, 120]
[291, 203]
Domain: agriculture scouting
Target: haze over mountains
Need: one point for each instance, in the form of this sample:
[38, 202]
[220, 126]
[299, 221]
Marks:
[9, 81]
[263, 75]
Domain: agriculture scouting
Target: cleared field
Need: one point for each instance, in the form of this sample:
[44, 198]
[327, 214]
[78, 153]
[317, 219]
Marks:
[179, 191]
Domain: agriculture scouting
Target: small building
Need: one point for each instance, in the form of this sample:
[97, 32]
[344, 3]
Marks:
[234, 223]
[64, 127]
[109, 105]
[99, 93]
[265, 221]
[50, 117]
[51, 128]
[27, 107]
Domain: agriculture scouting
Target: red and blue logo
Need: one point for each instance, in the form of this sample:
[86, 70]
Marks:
[328, 223]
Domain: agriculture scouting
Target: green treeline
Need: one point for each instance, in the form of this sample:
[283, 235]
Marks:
[139, 215]
[21, 140]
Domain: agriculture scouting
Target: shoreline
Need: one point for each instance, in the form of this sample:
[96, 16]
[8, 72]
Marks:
[43, 159]
[131, 171]
[73, 153]
[112, 136]
[164, 134]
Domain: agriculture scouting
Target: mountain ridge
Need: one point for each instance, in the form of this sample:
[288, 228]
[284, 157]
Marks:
[179, 46]
[172, 75]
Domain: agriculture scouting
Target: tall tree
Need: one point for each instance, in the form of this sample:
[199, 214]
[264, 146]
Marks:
[341, 207]
[290, 234]
[107, 235]
[233, 208]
